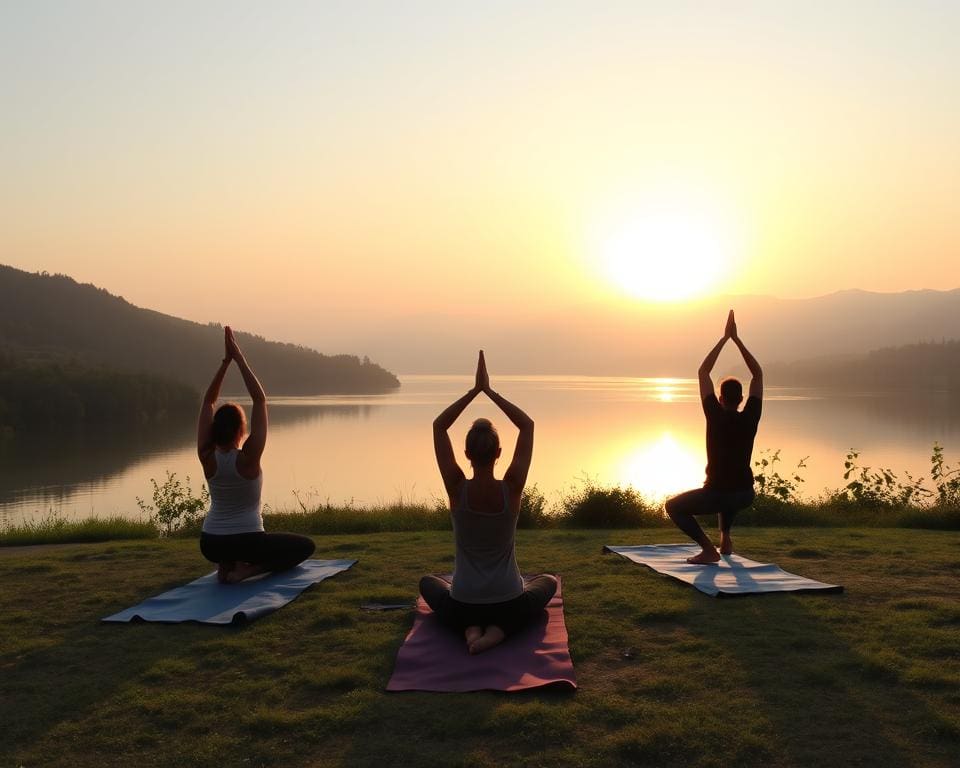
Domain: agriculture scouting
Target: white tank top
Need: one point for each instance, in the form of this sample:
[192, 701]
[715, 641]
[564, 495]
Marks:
[485, 565]
[234, 499]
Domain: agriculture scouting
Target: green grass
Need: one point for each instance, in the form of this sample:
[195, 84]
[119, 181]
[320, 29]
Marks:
[669, 677]
[58, 530]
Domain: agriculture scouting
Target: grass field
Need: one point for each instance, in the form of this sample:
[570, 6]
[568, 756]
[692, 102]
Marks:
[668, 676]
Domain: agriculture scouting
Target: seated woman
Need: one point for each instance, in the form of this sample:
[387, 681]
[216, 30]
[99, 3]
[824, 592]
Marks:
[233, 535]
[488, 599]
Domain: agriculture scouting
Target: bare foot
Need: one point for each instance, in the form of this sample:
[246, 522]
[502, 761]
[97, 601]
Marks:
[472, 634]
[491, 637]
[244, 571]
[223, 571]
[705, 558]
[726, 544]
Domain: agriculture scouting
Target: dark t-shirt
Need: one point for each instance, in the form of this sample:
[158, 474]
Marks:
[729, 444]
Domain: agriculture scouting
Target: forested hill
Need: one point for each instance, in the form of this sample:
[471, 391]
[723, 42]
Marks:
[53, 318]
[915, 367]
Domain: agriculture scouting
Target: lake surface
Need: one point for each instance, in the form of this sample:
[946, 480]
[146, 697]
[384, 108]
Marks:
[370, 450]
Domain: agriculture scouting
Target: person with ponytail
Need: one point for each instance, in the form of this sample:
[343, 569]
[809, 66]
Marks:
[488, 600]
[233, 536]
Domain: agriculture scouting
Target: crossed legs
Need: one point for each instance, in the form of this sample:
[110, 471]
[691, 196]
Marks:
[488, 624]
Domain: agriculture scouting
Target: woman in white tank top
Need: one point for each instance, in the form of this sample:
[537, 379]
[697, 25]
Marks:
[233, 535]
[488, 599]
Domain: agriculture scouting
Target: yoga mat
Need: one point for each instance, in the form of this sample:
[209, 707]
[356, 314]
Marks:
[434, 657]
[733, 575]
[209, 602]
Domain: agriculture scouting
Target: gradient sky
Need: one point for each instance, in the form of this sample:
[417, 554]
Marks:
[296, 167]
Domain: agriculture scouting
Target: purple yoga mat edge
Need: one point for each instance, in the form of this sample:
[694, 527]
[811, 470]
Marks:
[434, 658]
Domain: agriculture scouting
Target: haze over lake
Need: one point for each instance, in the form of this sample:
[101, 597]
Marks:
[644, 432]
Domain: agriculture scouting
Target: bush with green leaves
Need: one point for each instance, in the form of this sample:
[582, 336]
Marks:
[881, 487]
[596, 506]
[770, 484]
[174, 507]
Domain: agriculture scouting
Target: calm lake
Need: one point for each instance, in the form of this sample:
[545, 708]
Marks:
[369, 450]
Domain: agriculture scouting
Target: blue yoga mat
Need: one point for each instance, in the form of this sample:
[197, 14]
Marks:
[207, 601]
[732, 575]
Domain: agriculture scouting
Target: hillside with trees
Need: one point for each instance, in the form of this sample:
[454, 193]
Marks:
[51, 320]
[923, 367]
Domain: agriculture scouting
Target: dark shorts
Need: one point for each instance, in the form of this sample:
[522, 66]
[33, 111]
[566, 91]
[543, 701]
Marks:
[711, 501]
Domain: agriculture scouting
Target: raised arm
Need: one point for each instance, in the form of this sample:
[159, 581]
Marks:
[257, 440]
[446, 461]
[205, 419]
[703, 373]
[516, 474]
[756, 372]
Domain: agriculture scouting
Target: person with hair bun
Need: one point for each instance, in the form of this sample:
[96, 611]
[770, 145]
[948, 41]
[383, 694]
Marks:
[488, 599]
[233, 535]
[730, 433]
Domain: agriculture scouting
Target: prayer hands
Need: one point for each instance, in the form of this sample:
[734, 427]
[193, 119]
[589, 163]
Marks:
[232, 350]
[730, 332]
[482, 383]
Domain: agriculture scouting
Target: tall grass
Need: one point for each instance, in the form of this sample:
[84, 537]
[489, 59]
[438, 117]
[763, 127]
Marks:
[54, 529]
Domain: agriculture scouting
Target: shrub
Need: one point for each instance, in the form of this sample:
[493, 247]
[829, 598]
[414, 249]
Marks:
[594, 506]
[533, 509]
[175, 509]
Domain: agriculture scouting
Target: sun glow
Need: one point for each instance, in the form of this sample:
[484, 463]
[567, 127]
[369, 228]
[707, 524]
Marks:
[662, 466]
[665, 253]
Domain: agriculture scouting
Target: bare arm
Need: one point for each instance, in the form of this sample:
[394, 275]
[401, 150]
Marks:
[205, 419]
[257, 440]
[703, 373]
[446, 461]
[756, 372]
[516, 474]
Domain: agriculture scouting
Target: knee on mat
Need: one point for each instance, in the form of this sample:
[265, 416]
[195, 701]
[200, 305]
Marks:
[548, 584]
[424, 585]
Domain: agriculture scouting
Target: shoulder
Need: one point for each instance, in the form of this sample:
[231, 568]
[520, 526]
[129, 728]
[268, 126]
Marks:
[710, 404]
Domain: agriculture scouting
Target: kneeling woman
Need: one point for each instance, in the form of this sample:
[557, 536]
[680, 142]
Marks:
[233, 535]
[488, 599]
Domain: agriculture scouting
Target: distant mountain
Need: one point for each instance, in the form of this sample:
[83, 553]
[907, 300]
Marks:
[665, 340]
[46, 318]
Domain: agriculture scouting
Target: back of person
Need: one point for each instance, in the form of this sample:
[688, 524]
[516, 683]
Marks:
[730, 436]
[485, 565]
[234, 499]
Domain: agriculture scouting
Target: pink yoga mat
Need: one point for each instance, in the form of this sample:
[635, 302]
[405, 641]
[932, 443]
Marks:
[434, 657]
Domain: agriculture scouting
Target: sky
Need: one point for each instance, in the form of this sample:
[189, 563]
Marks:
[319, 172]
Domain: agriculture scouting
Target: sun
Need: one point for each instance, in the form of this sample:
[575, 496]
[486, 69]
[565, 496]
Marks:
[665, 254]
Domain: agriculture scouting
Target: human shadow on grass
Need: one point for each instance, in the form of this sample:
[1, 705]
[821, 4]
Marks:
[826, 702]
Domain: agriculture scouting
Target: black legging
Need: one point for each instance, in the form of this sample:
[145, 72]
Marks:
[272, 551]
[511, 616]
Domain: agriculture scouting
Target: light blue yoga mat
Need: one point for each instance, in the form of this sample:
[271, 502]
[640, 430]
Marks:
[207, 601]
[732, 575]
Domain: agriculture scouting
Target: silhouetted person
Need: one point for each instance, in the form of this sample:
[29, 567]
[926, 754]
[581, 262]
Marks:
[233, 535]
[488, 599]
[729, 484]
